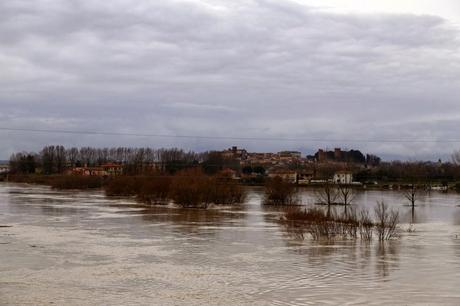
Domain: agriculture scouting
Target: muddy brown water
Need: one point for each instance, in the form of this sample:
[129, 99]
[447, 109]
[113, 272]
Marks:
[82, 248]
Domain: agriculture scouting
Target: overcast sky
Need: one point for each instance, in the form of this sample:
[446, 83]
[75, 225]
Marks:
[370, 75]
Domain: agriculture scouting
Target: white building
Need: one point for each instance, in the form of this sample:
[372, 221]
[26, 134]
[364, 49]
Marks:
[343, 177]
[287, 175]
[4, 169]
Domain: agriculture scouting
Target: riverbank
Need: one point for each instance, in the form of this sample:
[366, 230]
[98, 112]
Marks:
[386, 185]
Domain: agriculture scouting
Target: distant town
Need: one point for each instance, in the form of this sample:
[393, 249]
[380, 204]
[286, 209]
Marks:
[349, 167]
[302, 170]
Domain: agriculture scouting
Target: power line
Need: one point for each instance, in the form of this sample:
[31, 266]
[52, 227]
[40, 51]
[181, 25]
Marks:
[102, 133]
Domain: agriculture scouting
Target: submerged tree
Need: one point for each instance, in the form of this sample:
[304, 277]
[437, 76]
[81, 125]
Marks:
[280, 192]
[412, 195]
[320, 225]
[327, 195]
[346, 195]
[386, 223]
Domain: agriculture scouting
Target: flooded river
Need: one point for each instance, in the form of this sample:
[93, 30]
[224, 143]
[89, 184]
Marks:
[82, 248]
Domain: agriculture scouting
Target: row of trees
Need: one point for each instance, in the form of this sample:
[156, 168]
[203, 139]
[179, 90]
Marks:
[398, 171]
[137, 161]
[55, 159]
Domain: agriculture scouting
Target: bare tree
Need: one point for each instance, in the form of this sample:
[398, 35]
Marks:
[346, 195]
[365, 225]
[72, 156]
[24, 162]
[48, 159]
[387, 221]
[456, 157]
[60, 159]
[412, 195]
[327, 195]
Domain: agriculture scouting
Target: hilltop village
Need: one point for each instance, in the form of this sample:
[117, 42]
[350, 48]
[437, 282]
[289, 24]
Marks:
[335, 166]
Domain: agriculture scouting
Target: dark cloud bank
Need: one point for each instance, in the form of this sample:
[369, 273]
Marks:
[227, 68]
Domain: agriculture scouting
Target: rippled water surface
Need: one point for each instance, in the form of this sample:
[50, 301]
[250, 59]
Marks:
[81, 248]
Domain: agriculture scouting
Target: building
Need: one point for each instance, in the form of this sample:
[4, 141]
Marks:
[108, 169]
[113, 169]
[287, 175]
[289, 154]
[263, 159]
[229, 173]
[304, 178]
[89, 171]
[235, 153]
[338, 155]
[321, 156]
[4, 169]
[343, 178]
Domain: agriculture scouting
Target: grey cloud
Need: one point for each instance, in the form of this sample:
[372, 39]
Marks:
[245, 68]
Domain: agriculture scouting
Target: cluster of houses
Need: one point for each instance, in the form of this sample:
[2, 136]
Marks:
[108, 169]
[307, 178]
[4, 168]
[289, 157]
[280, 164]
[264, 159]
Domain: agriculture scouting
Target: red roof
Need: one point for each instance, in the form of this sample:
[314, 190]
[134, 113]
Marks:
[112, 165]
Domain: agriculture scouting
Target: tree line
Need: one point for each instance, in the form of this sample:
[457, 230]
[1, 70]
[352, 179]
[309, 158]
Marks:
[143, 161]
[411, 172]
[56, 159]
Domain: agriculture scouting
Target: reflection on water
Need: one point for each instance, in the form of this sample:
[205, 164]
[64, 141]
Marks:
[412, 215]
[456, 217]
[81, 248]
[387, 257]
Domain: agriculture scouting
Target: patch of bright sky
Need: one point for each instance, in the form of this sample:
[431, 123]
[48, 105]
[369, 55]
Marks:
[447, 9]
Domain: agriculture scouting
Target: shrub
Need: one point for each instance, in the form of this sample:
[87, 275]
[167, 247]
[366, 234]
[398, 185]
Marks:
[386, 221]
[123, 186]
[227, 191]
[321, 224]
[365, 225]
[280, 192]
[31, 179]
[154, 190]
[191, 188]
